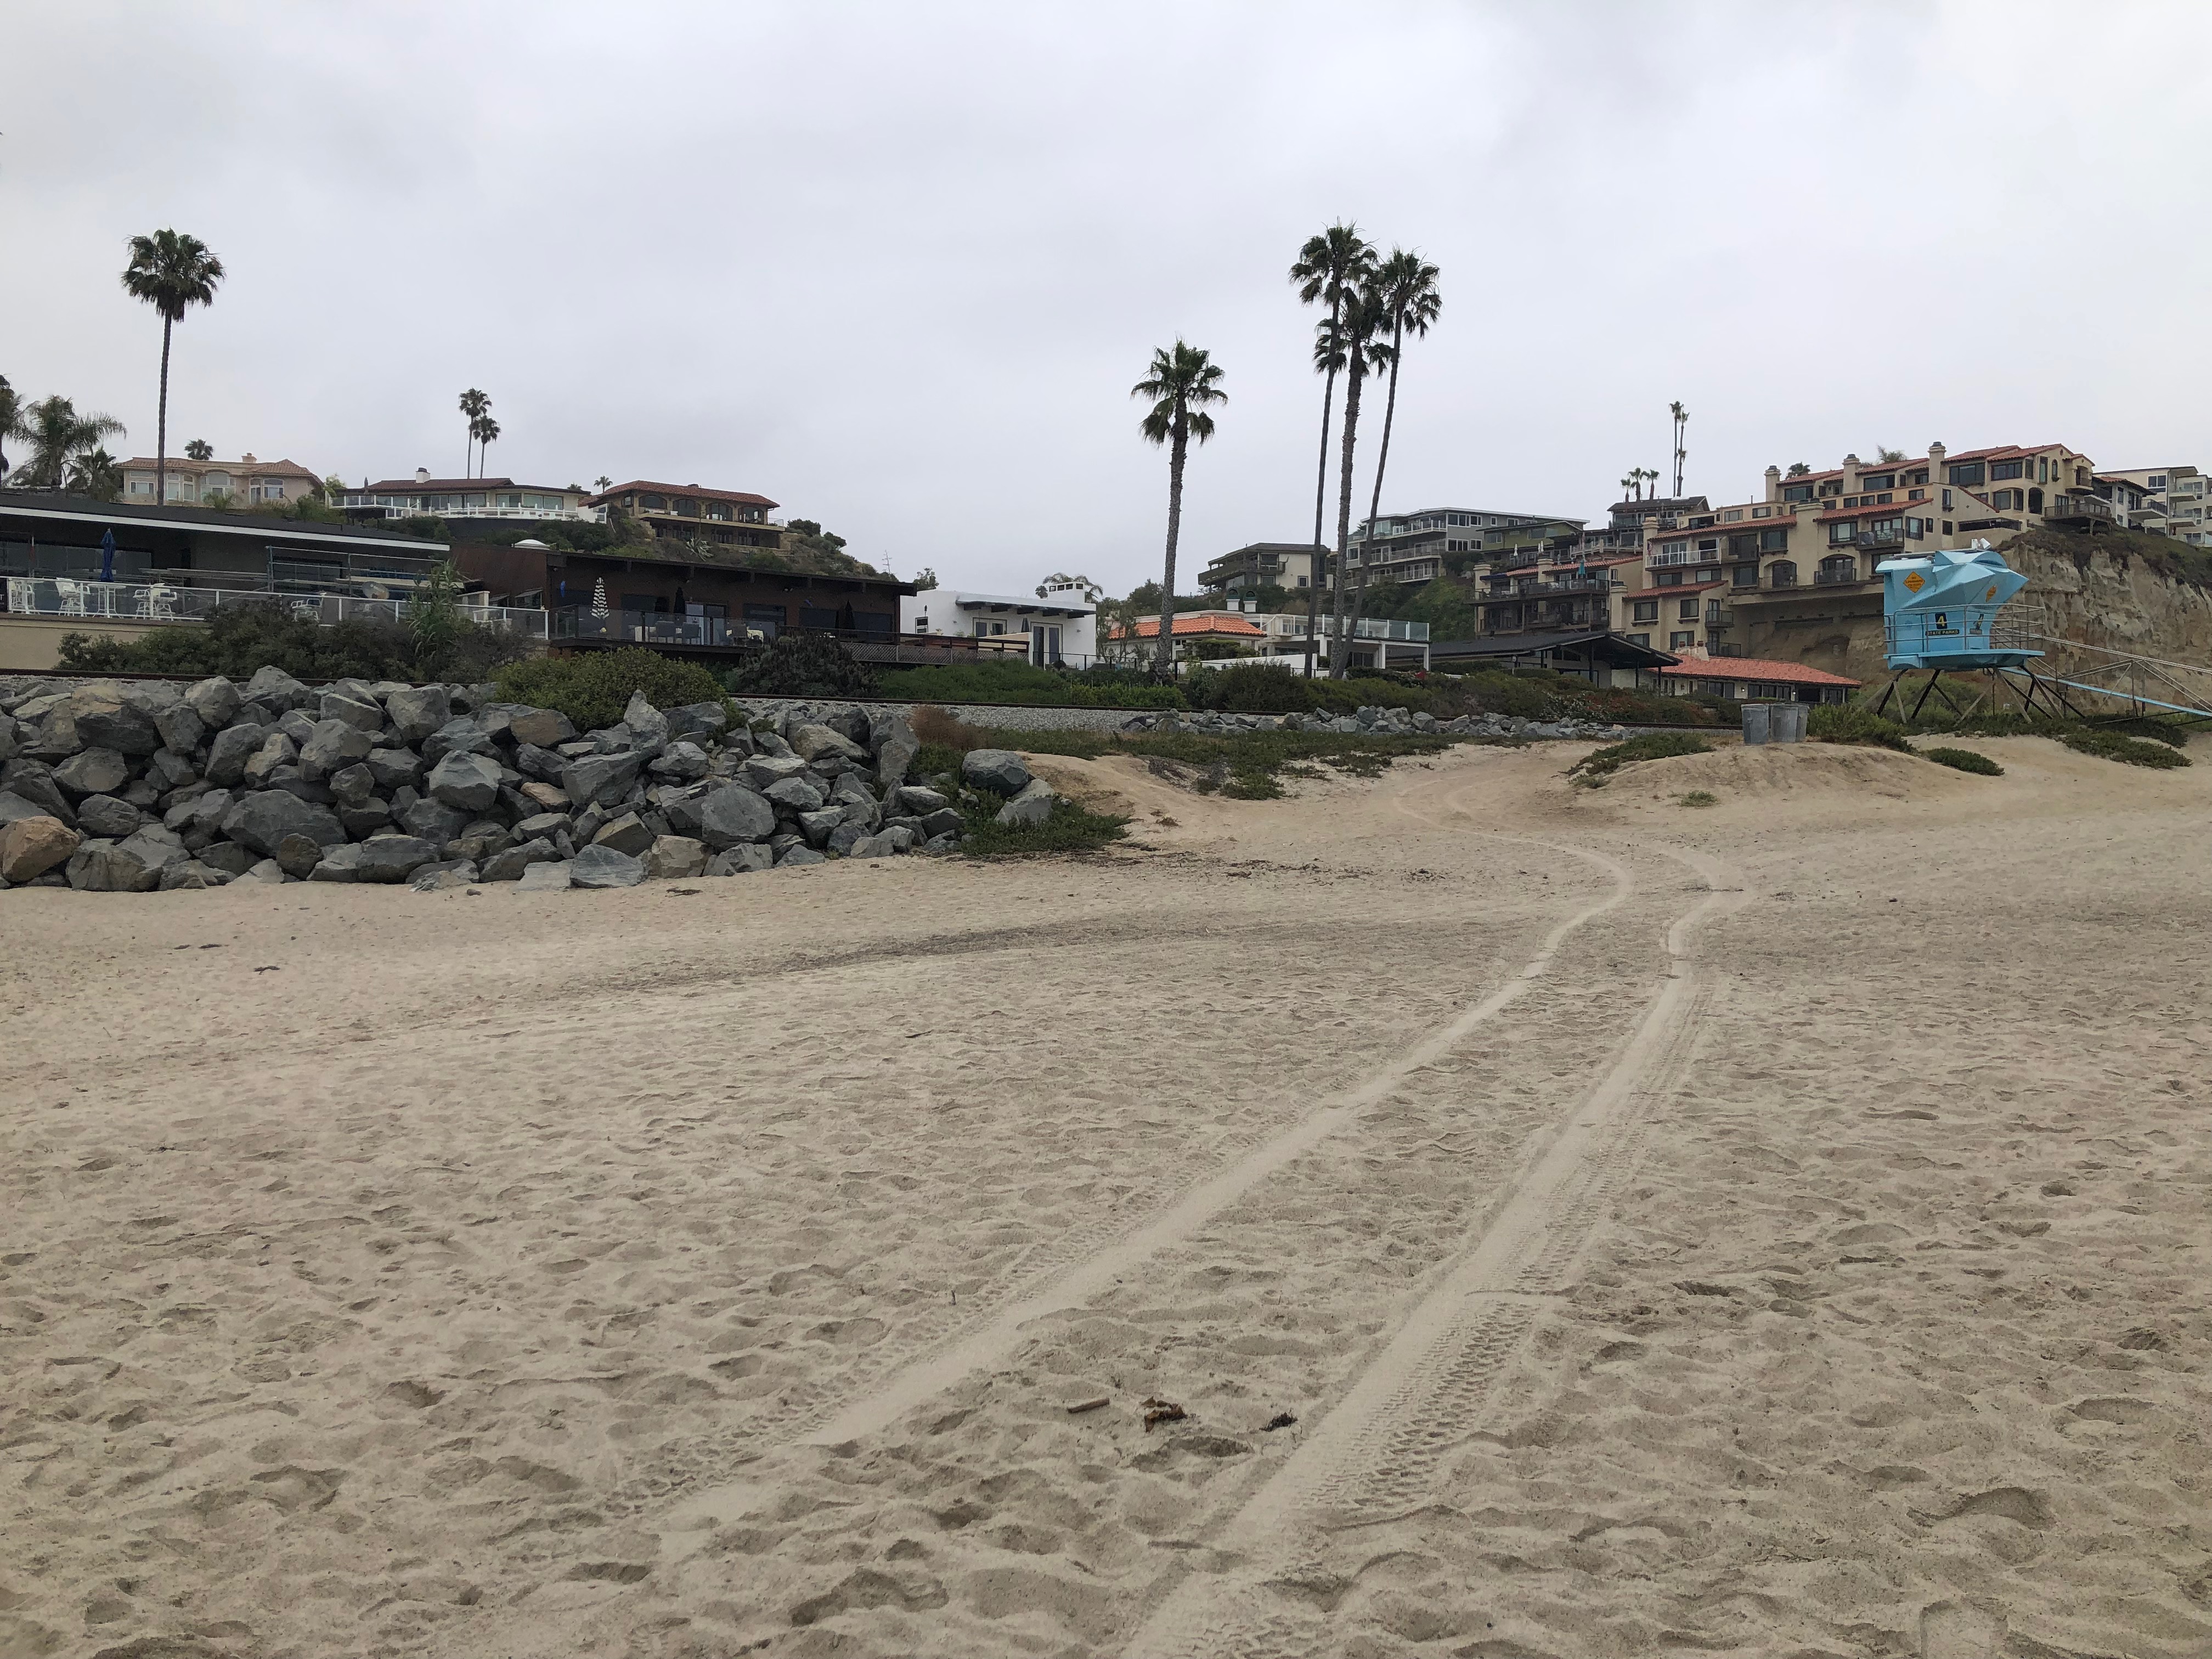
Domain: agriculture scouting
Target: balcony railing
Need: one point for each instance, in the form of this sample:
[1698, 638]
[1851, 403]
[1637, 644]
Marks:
[165, 602]
[1840, 577]
[2071, 505]
[659, 627]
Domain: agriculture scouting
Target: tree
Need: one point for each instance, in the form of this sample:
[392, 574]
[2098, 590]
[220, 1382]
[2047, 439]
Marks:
[199, 450]
[12, 423]
[58, 434]
[604, 483]
[434, 614]
[95, 473]
[926, 581]
[1355, 338]
[1091, 592]
[332, 490]
[1885, 456]
[1328, 267]
[1632, 485]
[1180, 383]
[1681, 426]
[170, 273]
[1407, 284]
[486, 433]
[1798, 470]
[474, 405]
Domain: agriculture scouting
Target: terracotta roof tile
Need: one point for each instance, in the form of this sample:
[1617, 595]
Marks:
[1753, 668]
[701, 491]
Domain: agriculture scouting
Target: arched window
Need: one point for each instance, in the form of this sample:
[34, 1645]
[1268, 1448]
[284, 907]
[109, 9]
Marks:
[652, 504]
[1782, 573]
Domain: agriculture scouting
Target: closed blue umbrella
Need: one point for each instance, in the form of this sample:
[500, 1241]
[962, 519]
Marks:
[107, 556]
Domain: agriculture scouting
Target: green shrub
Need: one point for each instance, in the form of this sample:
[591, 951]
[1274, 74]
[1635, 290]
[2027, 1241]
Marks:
[1699, 797]
[1071, 828]
[2158, 728]
[1964, 760]
[2118, 746]
[247, 634]
[1592, 770]
[1842, 722]
[1019, 683]
[593, 688]
[804, 666]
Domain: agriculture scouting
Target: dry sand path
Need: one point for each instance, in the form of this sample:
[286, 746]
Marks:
[1777, 1228]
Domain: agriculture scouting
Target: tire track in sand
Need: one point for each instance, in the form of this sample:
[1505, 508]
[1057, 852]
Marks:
[1083, 1267]
[1375, 1453]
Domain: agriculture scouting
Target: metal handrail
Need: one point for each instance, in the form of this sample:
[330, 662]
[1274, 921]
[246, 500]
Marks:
[167, 602]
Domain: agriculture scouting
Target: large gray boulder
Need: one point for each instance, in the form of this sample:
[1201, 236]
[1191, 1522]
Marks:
[263, 818]
[432, 820]
[106, 718]
[360, 712]
[390, 767]
[510, 865]
[733, 814]
[740, 860]
[460, 735]
[601, 779]
[216, 700]
[913, 797]
[32, 845]
[181, 729]
[626, 833]
[696, 719]
[551, 877]
[229, 857]
[297, 855]
[1000, 770]
[363, 818]
[107, 817]
[681, 759]
[391, 858]
[441, 877]
[798, 793]
[648, 726]
[467, 782]
[872, 847]
[418, 711]
[233, 747]
[101, 866]
[801, 854]
[813, 742]
[543, 727]
[602, 866]
[277, 750]
[14, 806]
[193, 873]
[94, 772]
[674, 858]
[540, 763]
[272, 688]
[335, 745]
[1031, 805]
[169, 771]
[762, 770]
[337, 863]
[820, 824]
[353, 784]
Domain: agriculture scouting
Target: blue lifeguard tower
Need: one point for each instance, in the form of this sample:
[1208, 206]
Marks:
[1939, 612]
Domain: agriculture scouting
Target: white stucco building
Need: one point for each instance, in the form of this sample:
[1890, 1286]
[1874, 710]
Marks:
[1062, 627]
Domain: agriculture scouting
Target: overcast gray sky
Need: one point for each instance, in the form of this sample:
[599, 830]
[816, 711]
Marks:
[896, 266]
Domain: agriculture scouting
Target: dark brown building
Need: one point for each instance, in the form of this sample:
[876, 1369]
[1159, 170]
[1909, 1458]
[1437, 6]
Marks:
[690, 598]
[689, 512]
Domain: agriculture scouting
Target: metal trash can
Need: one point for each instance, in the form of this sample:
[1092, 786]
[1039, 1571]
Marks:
[1785, 722]
[1756, 724]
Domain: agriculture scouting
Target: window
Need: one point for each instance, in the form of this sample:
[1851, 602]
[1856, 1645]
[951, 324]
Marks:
[1878, 481]
[1796, 492]
[2034, 500]
[1668, 578]
[686, 507]
[1682, 640]
[1919, 477]
[647, 603]
[1947, 523]
[1917, 495]
[881, 624]
[1747, 575]
[1946, 508]
[1687, 610]
[1773, 541]
[1646, 610]
[2006, 469]
[652, 504]
[1644, 639]
[718, 509]
[2043, 469]
[985, 628]
[1842, 534]
[1734, 515]
[814, 616]
[1967, 475]
[1915, 528]
[767, 619]
[1782, 574]
[2157, 481]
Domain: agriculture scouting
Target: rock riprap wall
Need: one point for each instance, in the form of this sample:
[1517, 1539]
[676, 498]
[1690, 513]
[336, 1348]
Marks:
[109, 787]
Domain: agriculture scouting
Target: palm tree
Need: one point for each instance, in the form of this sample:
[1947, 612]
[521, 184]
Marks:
[58, 434]
[96, 474]
[11, 421]
[1407, 284]
[1180, 383]
[1356, 338]
[1681, 425]
[604, 483]
[1634, 482]
[199, 450]
[1329, 268]
[170, 273]
[486, 431]
[475, 406]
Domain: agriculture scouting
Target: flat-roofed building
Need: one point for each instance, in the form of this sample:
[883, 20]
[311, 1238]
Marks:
[1419, 547]
[2168, 499]
[1261, 564]
[1058, 628]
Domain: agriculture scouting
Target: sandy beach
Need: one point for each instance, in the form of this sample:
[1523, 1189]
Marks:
[1569, 1224]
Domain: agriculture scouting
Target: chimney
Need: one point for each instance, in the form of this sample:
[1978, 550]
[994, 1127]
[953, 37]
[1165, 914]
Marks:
[1935, 464]
[421, 475]
[1773, 484]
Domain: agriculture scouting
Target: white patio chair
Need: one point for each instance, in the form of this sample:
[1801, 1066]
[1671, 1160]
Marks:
[161, 602]
[70, 595]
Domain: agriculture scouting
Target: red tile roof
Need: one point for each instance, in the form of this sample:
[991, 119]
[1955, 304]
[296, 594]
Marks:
[1892, 507]
[1753, 668]
[397, 486]
[700, 491]
[1149, 627]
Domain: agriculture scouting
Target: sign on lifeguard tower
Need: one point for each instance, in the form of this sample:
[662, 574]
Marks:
[1939, 609]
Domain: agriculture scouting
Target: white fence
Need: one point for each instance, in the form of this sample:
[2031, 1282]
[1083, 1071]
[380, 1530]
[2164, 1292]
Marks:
[160, 602]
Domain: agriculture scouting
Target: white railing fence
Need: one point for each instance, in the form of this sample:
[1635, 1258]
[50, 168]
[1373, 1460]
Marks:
[165, 602]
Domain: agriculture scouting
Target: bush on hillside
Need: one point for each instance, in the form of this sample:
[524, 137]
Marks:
[2102, 740]
[804, 666]
[1964, 760]
[1593, 769]
[1019, 683]
[1842, 722]
[593, 687]
[239, 638]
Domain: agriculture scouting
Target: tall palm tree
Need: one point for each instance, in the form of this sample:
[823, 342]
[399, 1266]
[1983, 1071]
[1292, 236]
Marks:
[1328, 267]
[1634, 482]
[1180, 384]
[95, 473]
[199, 450]
[1681, 425]
[487, 434]
[171, 273]
[1357, 337]
[1407, 284]
[475, 406]
[58, 434]
[11, 421]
